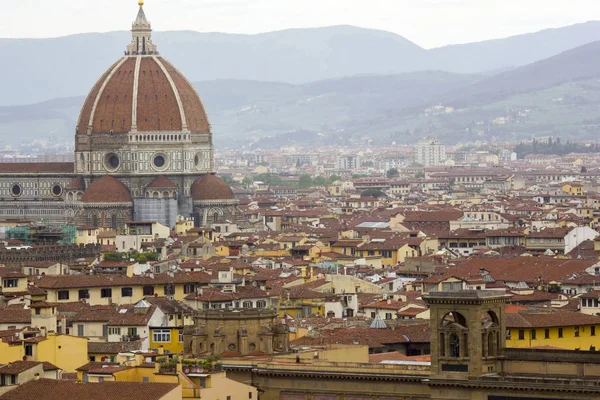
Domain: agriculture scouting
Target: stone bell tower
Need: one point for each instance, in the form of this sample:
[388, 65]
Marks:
[467, 333]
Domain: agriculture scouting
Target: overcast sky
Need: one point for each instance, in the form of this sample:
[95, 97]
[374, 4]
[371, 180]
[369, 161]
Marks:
[429, 23]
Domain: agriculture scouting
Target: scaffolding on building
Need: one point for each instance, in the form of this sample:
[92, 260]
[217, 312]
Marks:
[43, 233]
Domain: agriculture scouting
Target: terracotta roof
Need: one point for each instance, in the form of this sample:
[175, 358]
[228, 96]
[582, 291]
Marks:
[211, 187]
[113, 347]
[548, 318]
[161, 182]
[374, 338]
[432, 216]
[95, 365]
[13, 315]
[76, 183]
[94, 314]
[37, 168]
[107, 190]
[531, 270]
[51, 389]
[550, 233]
[107, 370]
[386, 305]
[157, 106]
[169, 306]
[130, 317]
[17, 367]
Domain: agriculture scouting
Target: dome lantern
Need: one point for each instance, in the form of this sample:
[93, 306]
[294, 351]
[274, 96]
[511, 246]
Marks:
[141, 32]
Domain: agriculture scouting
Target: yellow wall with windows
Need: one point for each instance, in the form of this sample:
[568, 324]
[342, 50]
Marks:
[296, 307]
[64, 351]
[173, 346]
[181, 227]
[116, 298]
[570, 339]
[270, 253]
[8, 285]
[86, 236]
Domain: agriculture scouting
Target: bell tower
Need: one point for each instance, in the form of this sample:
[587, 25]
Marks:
[467, 333]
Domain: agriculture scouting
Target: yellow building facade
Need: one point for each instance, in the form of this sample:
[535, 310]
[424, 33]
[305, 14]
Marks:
[65, 351]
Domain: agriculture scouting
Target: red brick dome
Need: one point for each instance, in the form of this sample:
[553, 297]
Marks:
[142, 93]
[107, 190]
[210, 187]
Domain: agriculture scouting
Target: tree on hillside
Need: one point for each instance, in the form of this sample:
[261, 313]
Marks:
[334, 178]
[269, 179]
[247, 181]
[393, 173]
[305, 181]
[319, 181]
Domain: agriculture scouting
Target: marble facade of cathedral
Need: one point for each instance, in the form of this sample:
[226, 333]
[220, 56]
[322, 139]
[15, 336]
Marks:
[143, 151]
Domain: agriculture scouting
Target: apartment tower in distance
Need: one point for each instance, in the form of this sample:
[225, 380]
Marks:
[430, 152]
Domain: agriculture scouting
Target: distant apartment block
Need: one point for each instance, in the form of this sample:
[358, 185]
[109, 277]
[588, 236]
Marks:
[348, 162]
[430, 152]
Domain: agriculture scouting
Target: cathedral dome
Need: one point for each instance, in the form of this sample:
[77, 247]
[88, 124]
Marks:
[142, 92]
[107, 190]
[210, 187]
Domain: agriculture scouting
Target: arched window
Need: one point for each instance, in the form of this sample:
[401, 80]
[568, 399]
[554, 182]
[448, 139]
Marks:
[113, 221]
[216, 217]
[247, 304]
[95, 221]
[454, 345]
[261, 304]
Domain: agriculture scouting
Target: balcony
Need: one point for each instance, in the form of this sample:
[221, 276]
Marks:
[130, 338]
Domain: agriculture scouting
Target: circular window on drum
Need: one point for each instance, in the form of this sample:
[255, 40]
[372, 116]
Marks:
[56, 190]
[160, 162]
[112, 162]
[16, 190]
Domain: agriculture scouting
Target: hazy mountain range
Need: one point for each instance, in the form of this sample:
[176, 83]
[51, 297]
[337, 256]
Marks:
[339, 83]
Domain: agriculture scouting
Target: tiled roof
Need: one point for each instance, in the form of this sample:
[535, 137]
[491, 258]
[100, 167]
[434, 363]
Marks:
[161, 182]
[13, 315]
[106, 190]
[113, 347]
[211, 187]
[16, 367]
[548, 318]
[374, 338]
[130, 317]
[550, 233]
[94, 314]
[95, 364]
[51, 389]
[432, 216]
[37, 168]
[531, 270]
[157, 106]
[386, 305]
[76, 183]
[169, 306]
